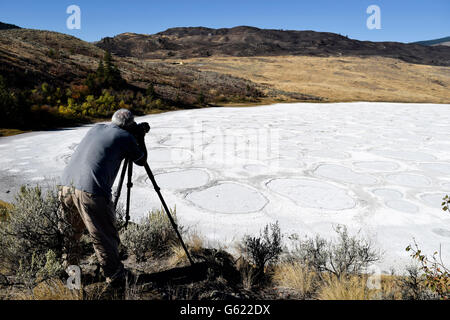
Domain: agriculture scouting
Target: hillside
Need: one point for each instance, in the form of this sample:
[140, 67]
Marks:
[31, 57]
[249, 41]
[5, 26]
[436, 42]
[339, 79]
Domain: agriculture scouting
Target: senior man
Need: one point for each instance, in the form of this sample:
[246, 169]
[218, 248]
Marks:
[86, 183]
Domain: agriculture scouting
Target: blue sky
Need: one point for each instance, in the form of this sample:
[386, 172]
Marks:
[401, 20]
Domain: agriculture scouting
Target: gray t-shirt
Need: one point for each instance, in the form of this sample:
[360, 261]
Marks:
[95, 163]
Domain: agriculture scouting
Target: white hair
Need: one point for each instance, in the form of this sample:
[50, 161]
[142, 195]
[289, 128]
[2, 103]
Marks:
[122, 118]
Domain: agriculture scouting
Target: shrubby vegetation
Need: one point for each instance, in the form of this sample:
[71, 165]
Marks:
[263, 250]
[32, 235]
[152, 236]
[31, 243]
[98, 96]
[348, 255]
[100, 93]
[434, 275]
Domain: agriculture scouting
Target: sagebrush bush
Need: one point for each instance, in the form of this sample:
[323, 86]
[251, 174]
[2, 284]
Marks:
[412, 286]
[33, 230]
[347, 255]
[264, 249]
[40, 268]
[152, 236]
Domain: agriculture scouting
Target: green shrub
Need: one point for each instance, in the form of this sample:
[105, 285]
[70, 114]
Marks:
[152, 236]
[413, 285]
[150, 92]
[201, 98]
[107, 76]
[264, 249]
[348, 255]
[33, 233]
[41, 267]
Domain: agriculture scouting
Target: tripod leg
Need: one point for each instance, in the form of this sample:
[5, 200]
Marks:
[129, 186]
[174, 225]
[119, 187]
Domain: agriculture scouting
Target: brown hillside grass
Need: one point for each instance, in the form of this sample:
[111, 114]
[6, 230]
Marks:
[339, 79]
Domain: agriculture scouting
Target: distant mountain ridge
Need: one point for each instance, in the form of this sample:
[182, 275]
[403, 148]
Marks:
[6, 26]
[435, 42]
[190, 42]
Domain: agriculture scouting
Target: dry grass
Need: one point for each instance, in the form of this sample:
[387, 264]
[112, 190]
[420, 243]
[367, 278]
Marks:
[339, 78]
[248, 273]
[308, 284]
[53, 289]
[5, 205]
[102, 291]
[4, 210]
[194, 243]
[296, 276]
[390, 288]
[356, 288]
[345, 288]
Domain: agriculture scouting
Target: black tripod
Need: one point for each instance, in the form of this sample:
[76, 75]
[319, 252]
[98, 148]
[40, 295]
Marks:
[128, 165]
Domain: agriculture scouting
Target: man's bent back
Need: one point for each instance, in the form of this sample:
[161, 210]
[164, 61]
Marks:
[96, 161]
[85, 193]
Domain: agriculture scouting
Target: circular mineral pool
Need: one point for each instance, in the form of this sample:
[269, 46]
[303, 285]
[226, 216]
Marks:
[229, 198]
[389, 194]
[402, 205]
[344, 174]
[409, 180]
[442, 232]
[184, 179]
[312, 193]
[436, 167]
[433, 199]
[377, 165]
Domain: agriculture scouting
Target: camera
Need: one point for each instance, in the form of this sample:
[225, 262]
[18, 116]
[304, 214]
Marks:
[139, 130]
